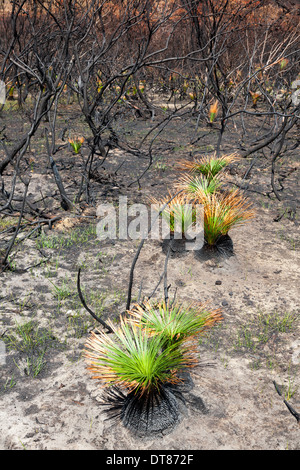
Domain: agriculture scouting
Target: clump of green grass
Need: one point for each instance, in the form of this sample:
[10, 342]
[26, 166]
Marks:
[179, 214]
[28, 337]
[174, 323]
[8, 384]
[76, 236]
[290, 389]
[195, 185]
[63, 291]
[35, 365]
[224, 212]
[260, 329]
[277, 322]
[31, 343]
[251, 337]
[208, 165]
[6, 222]
[133, 360]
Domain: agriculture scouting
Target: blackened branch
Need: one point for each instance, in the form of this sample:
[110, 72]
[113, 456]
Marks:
[289, 407]
[87, 308]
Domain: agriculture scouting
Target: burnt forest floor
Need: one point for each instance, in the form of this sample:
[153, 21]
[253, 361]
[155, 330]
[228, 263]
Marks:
[48, 399]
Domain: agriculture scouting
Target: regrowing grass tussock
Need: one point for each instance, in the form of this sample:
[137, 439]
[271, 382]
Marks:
[223, 212]
[174, 323]
[208, 165]
[144, 360]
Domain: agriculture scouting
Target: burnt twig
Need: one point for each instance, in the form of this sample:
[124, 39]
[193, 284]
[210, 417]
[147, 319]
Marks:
[12, 241]
[289, 407]
[87, 308]
[166, 287]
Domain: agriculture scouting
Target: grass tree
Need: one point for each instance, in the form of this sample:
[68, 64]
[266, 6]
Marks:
[222, 212]
[141, 364]
[222, 209]
[139, 371]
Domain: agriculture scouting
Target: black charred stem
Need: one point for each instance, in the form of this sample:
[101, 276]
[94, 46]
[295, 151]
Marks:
[289, 407]
[103, 323]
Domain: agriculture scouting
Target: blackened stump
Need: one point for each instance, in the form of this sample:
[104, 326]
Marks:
[222, 249]
[157, 412]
